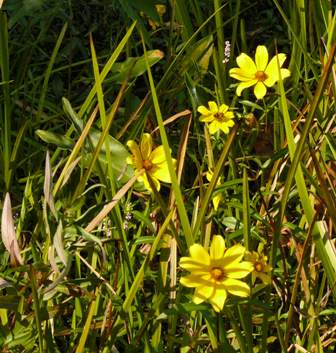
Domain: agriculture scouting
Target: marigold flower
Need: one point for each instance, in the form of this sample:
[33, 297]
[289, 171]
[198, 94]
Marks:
[214, 275]
[218, 197]
[152, 161]
[261, 269]
[261, 73]
[219, 117]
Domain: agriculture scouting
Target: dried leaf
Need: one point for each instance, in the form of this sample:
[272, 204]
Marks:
[51, 258]
[59, 246]
[71, 167]
[8, 233]
[47, 187]
[4, 283]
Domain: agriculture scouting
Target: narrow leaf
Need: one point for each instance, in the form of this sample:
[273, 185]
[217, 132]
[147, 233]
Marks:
[47, 187]
[8, 233]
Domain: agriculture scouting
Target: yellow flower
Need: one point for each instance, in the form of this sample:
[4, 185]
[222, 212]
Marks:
[261, 269]
[152, 161]
[218, 197]
[220, 118]
[261, 73]
[161, 10]
[216, 274]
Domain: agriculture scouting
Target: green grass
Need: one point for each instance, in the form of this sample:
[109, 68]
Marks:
[101, 255]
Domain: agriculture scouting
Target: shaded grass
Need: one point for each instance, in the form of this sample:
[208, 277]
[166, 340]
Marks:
[101, 266]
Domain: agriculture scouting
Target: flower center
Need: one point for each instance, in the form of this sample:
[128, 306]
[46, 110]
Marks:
[217, 273]
[147, 164]
[261, 76]
[219, 116]
[258, 266]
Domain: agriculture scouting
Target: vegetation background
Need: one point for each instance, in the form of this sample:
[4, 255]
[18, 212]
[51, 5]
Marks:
[95, 264]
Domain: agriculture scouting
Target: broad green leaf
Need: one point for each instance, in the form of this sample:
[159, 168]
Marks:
[118, 152]
[134, 66]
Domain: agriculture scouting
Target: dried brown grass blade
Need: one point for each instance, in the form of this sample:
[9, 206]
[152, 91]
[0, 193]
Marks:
[109, 207]
[174, 117]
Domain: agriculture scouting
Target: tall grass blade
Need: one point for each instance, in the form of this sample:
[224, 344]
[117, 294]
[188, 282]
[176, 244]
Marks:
[106, 70]
[5, 110]
[49, 71]
[212, 185]
[325, 249]
[175, 185]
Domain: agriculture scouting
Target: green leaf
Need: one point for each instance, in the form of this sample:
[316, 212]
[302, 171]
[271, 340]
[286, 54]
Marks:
[59, 140]
[118, 153]
[134, 66]
[9, 301]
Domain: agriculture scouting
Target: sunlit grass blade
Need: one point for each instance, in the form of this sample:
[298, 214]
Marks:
[74, 152]
[37, 308]
[106, 70]
[297, 283]
[141, 273]
[218, 169]
[325, 193]
[175, 185]
[86, 330]
[82, 183]
[246, 210]
[300, 46]
[325, 250]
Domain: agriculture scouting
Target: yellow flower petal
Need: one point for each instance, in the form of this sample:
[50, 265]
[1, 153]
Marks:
[235, 287]
[261, 58]
[154, 180]
[272, 70]
[202, 293]
[213, 107]
[133, 146]
[214, 127]
[217, 247]
[229, 115]
[239, 270]
[136, 158]
[146, 146]
[207, 118]
[129, 160]
[158, 155]
[284, 73]
[216, 200]
[244, 85]
[203, 110]
[217, 300]
[266, 279]
[162, 173]
[225, 126]
[260, 90]
[193, 281]
[209, 175]
[241, 75]
[233, 254]
[224, 109]
[247, 64]
[192, 265]
[197, 252]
